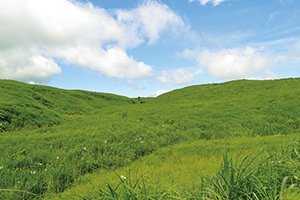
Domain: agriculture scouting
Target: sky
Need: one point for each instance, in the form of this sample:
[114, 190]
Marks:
[147, 47]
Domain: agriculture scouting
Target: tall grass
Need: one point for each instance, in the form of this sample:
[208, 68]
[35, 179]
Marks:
[240, 175]
[256, 176]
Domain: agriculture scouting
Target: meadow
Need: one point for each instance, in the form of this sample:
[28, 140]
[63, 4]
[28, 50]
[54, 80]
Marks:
[235, 140]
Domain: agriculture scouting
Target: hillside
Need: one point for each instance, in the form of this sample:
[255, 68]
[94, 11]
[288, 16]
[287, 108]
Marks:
[32, 106]
[51, 137]
[243, 107]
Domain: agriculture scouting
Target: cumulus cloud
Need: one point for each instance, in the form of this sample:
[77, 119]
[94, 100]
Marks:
[159, 92]
[204, 2]
[230, 63]
[164, 78]
[150, 19]
[176, 76]
[182, 76]
[266, 75]
[26, 66]
[113, 62]
[78, 33]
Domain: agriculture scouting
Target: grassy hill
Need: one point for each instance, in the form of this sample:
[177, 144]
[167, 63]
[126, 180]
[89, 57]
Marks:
[51, 137]
[30, 106]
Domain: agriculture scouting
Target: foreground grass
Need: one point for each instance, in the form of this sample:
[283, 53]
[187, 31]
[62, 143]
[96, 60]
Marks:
[186, 171]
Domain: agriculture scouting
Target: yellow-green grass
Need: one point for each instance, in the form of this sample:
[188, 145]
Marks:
[180, 165]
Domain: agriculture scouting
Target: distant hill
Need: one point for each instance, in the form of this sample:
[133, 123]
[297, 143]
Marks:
[25, 105]
[239, 89]
[254, 107]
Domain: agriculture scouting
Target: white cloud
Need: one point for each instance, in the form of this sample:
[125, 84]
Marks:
[294, 54]
[176, 76]
[204, 2]
[150, 20]
[182, 76]
[139, 87]
[159, 92]
[27, 66]
[113, 62]
[267, 75]
[297, 45]
[164, 78]
[78, 33]
[230, 63]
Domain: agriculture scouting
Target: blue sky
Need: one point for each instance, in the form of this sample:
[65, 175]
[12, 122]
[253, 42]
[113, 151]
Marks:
[147, 47]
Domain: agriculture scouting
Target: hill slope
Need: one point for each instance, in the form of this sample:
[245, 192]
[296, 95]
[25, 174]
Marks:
[108, 131]
[233, 108]
[28, 106]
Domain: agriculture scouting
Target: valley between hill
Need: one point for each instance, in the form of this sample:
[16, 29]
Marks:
[71, 144]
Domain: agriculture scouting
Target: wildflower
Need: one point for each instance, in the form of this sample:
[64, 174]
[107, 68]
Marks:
[105, 142]
[123, 177]
[57, 157]
[141, 141]
[1, 167]
[84, 148]
[40, 163]
[45, 169]
[19, 182]
[33, 172]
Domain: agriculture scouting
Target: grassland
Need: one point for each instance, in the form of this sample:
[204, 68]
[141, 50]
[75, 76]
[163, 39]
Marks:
[63, 143]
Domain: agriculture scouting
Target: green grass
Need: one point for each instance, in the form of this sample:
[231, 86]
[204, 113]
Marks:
[190, 169]
[51, 138]
[34, 106]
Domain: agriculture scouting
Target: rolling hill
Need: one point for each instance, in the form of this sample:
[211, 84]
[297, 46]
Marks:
[51, 137]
